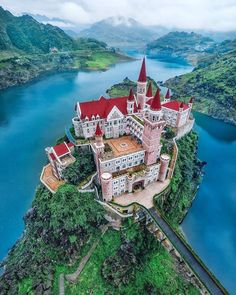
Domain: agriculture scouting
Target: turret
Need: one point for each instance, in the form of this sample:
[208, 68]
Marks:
[190, 103]
[130, 102]
[181, 107]
[149, 91]
[142, 86]
[164, 159]
[155, 112]
[106, 183]
[167, 96]
[99, 145]
[179, 120]
[153, 126]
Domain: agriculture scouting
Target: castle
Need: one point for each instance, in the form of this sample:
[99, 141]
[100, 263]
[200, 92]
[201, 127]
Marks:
[125, 134]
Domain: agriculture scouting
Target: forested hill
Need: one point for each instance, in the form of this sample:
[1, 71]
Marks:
[29, 49]
[212, 83]
[26, 34]
[180, 45]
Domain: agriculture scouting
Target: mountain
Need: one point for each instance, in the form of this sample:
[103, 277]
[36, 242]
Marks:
[212, 83]
[180, 46]
[122, 32]
[29, 48]
[25, 34]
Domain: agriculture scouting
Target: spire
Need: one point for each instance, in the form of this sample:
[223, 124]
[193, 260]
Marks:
[156, 102]
[181, 105]
[168, 96]
[98, 131]
[142, 74]
[149, 91]
[191, 100]
[131, 95]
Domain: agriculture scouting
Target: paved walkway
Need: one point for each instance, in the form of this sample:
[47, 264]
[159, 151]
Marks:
[144, 197]
[187, 255]
[74, 276]
[61, 284]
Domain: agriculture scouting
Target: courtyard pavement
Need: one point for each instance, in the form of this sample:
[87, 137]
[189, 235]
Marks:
[144, 197]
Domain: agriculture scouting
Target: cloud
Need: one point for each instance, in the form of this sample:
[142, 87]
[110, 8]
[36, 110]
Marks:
[187, 14]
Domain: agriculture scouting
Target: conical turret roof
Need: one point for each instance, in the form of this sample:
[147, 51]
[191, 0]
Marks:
[156, 102]
[131, 95]
[142, 74]
[168, 96]
[149, 91]
[98, 131]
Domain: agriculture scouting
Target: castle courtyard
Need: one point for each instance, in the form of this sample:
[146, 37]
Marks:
[143, 197]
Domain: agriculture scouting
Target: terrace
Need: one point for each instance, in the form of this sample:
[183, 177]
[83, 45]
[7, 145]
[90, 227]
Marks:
[49, 180]
[117, 147]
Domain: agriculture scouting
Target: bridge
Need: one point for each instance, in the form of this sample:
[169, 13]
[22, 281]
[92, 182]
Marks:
[212, 285]
[69, 135]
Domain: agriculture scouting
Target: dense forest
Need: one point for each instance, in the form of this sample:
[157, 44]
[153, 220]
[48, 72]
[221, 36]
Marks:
[212, 84]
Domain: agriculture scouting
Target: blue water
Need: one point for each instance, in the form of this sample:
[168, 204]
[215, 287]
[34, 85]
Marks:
[33, 116]
[210, 225]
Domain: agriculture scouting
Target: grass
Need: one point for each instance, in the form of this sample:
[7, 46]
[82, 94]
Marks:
[25, 286]
[91, 278]
[67, 269]
[101, 60]
[158, 271]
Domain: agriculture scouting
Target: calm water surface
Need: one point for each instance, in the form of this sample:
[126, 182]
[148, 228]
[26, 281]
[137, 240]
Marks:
[33, 116]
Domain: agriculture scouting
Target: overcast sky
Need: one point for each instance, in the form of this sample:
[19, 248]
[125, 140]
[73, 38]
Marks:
[189, 14]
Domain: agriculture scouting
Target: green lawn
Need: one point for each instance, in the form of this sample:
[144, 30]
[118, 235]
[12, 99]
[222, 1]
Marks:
[101, 60]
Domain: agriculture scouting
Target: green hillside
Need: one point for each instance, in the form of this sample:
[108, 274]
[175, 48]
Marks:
[180, 45]
[212, 84]
[29, 49]
[25, 34]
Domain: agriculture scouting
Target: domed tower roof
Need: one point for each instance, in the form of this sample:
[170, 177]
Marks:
[191, 100]
[131, 95]
[98, 131]
[156, 102]
[142, 74]
[149, 91]
[181, 105]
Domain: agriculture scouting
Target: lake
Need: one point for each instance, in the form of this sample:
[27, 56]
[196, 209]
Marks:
[34, 115]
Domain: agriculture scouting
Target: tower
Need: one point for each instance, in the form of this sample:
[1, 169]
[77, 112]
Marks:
[181, 109]
[190, 105]
[142, 86]
[167, 96]
[164, 159]
[130, 102]
[106, 183]
[153, 126]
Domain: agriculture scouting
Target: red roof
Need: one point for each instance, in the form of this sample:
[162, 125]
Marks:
[168, 96]
[131, 95]
[61, 149]
[98, 131]
[52, 156]
[191, 100]
[70, 144]
[174, 105]
[142, 74]
[181, 105]
[103, 106]
[149, 91]
[156, 102]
